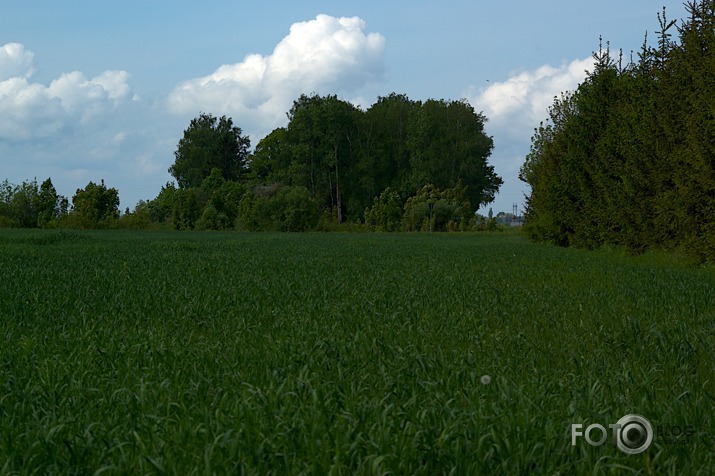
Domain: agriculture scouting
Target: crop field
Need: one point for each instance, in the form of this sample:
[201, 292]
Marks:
[229, 353]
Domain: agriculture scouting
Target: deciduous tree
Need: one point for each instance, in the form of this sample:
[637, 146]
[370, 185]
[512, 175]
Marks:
[94, 205]
[210, 143]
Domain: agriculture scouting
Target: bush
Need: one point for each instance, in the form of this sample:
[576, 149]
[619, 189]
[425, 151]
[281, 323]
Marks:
[136, 220]
[212, 219]
[185, 210]
[161, 208]
[95, 206]
[298, 210]
[386, 212]
[451, 210]
[278, 208]
[481, 223]
[227, 199]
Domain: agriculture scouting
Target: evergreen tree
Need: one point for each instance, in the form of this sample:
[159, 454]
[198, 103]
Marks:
[629, 157]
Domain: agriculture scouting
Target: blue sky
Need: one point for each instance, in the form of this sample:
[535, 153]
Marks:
[94, 90]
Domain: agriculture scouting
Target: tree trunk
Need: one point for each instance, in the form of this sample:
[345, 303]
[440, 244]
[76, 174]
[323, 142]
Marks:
[337, 187]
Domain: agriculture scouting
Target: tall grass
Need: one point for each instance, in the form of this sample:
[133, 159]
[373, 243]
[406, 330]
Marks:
[167, 353]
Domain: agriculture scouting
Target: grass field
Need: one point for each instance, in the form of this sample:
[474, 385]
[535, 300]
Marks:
[190, 353]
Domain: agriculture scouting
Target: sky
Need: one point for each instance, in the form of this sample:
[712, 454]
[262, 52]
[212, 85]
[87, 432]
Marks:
[96, 90]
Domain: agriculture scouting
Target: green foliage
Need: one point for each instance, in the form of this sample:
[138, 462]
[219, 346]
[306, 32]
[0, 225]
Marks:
[186, 209]
[95, 206]
[212, 219]
[329, 163]
[138, 219]
[447, 145]
[628, 158]
[346, 156]
[252, 213]
[481, 223]
[451, 209]
[223, 196]
[342, 155]
[271, 160]
[386, 212]
[201, 353]
[212, 183]
[210, 143]
[278, 208]
[298, 210]
[49, 205]
[161, 208]
[27, 206]
[386, 158]
[22, 206]
[321, 136]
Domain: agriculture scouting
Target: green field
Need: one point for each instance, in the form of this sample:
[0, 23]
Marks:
[228, 353]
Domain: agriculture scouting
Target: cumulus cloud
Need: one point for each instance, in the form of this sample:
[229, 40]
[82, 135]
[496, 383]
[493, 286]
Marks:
[15, 62]
[324, 55]
[514, 107]
[33, 110]
[521, 102]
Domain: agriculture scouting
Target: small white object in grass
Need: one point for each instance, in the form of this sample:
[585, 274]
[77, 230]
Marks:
[486, 379]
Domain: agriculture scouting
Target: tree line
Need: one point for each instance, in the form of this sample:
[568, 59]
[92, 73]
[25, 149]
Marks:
[399, 165]
[330, 165]
[28, 205]
[629, 157]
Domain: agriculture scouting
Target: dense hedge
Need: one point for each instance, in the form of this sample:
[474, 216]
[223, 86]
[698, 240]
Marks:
[629, 157]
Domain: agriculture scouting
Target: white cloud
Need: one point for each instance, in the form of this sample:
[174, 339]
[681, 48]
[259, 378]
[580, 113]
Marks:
[521, 102]
[118, 138]
[514, 107]
[33, 110]
[326, 55]
[15, 62]
[146, 164]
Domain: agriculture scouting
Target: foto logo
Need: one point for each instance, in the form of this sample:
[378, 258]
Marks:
[633, 434]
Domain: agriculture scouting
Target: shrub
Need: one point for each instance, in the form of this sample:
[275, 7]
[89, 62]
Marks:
[185, 210]
[450, 209]
[297, 209]
[386, 212]
[212, 219]
[277, 208]
[95, 206]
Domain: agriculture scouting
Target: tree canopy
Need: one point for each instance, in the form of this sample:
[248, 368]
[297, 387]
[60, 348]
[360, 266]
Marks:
[95, 204]
[29, 206]
[629, 157]
[333, 162]
[210, 143]
[346, 157]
